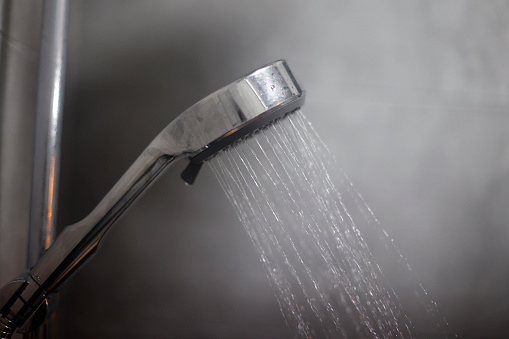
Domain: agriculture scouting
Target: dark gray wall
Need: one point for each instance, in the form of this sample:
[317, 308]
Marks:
[412, 98]
[19, 52]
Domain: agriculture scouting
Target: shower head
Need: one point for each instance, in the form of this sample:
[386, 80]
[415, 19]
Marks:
[233, 112]
[215, 122]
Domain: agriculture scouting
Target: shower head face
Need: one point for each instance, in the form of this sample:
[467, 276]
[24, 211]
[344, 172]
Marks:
[231, 113]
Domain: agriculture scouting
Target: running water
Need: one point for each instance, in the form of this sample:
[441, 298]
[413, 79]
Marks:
[324, 275]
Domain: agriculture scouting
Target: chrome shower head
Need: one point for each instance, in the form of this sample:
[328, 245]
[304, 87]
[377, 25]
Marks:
[205, 128]
[234, 111]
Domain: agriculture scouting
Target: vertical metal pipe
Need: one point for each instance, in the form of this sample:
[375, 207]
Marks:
[50, 94]
[48, 131]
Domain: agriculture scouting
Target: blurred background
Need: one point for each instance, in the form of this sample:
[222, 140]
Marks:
[412, 97]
